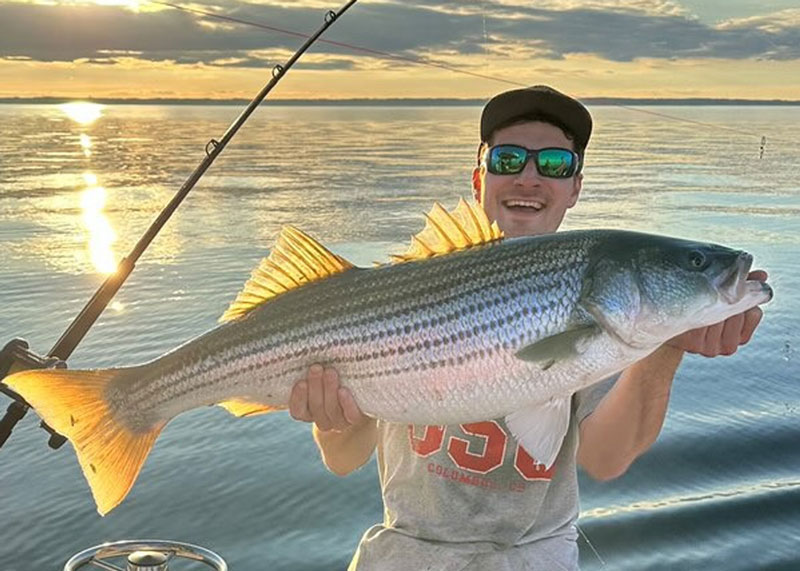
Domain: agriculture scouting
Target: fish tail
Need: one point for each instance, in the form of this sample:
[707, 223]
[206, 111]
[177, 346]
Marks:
[74, 403]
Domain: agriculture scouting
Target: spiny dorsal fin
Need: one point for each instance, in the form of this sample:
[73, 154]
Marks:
[296, 259]
[446, 232]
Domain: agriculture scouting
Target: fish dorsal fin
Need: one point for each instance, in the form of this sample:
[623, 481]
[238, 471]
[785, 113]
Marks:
[296, 259]
[466, 226]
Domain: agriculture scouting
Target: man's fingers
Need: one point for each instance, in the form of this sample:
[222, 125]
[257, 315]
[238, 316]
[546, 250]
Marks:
[691, 341]
[723, 338]
[330, 380]
[752, 317]
[350, 409]
[298, 402]
[319, 399]
[759, 275]
[731, 334]
[713, 340]
[697, 339]
[316, 398]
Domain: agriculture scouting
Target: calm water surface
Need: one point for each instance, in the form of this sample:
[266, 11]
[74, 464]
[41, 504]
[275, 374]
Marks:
[720, 489]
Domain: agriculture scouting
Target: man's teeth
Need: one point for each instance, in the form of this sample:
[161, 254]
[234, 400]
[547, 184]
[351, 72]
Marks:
[536, 205]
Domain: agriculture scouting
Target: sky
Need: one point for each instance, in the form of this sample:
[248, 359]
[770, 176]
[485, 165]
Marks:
[470, 49]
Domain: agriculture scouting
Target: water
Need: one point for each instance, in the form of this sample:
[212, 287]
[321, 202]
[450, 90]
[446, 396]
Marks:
[719, 490]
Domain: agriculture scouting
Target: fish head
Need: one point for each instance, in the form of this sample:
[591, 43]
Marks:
[645, 289]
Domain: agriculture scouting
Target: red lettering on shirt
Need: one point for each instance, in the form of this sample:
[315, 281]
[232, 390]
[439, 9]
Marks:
[492, 455]
[494, 447]
[529, 468]
[430, 443]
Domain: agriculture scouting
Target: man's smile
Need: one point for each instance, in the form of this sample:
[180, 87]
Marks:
[521, 205]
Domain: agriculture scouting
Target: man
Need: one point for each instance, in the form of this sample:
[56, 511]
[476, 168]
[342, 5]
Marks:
[467, 497]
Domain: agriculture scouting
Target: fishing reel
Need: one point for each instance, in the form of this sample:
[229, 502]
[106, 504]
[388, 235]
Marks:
[14, 357]
[144, 555]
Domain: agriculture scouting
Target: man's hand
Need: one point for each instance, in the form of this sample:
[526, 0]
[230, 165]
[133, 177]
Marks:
[722, 338]
[319, 399]
[345, 436]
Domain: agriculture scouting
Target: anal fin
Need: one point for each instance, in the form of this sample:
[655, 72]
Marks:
[239, 407]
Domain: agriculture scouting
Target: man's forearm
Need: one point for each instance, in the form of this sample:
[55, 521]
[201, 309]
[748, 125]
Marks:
[628, 420]
[344, 451]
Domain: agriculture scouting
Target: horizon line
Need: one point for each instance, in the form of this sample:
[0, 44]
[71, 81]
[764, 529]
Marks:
[390, 101]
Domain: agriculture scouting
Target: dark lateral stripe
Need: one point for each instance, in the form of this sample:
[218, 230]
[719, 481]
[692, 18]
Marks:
[400, 300]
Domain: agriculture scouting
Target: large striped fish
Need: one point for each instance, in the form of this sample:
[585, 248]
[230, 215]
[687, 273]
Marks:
[465, 326]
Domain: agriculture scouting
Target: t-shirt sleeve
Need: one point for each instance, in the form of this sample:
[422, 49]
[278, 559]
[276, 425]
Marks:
[586, 400]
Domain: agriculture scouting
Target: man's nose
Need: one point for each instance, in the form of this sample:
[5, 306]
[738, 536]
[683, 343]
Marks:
[528, 174]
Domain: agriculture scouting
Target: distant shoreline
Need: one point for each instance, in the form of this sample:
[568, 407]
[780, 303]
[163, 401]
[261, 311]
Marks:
[399, 102]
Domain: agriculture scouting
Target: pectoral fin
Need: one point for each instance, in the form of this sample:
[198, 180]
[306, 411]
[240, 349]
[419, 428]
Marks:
[541, 428]
[560, 347]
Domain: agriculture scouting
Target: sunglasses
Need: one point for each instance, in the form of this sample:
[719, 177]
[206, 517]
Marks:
[553, 162]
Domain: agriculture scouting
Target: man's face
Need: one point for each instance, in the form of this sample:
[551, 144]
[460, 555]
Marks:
[527, 203]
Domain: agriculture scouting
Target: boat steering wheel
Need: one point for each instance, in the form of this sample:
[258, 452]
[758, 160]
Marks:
[144, 555]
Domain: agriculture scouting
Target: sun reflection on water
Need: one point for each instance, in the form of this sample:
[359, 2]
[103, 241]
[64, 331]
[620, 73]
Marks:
[82, 112]
[101, 235]
[86, 145]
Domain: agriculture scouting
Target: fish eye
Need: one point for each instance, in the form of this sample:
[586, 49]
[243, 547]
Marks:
[697, 260]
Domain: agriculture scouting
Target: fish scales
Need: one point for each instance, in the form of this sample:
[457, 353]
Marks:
[449, 316]
[354, 338]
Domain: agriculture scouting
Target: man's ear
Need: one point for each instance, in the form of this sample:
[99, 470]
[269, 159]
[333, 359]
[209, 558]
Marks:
[476, 184]
[577, 185]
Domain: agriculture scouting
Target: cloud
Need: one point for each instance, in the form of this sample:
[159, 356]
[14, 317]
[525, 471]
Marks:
[631, 30]
[615, 30]
[782, 20]
[513, 7]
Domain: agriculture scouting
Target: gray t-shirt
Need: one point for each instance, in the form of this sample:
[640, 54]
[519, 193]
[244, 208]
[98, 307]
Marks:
[468, 498]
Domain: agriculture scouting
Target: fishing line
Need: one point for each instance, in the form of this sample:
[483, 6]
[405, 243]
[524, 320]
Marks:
[589, 543]
[435, 64]
[694, 122]
[353, 47]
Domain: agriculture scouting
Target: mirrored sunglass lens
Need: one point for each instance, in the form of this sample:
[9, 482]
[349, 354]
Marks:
[507, 159]
[557, 163]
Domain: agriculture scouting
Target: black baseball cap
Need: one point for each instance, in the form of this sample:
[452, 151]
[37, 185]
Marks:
[538, 99]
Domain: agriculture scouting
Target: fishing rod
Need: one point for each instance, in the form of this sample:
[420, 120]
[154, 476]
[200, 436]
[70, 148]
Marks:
[17, 356]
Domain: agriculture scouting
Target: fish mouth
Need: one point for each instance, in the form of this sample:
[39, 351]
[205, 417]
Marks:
[734, 286]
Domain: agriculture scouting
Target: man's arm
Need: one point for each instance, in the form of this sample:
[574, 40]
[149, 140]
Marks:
[345, 437]
[628, 420]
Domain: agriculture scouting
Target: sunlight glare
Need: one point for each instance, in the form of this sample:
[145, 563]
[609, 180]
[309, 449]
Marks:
[86, 144]
[101, 235]
[81, 111]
